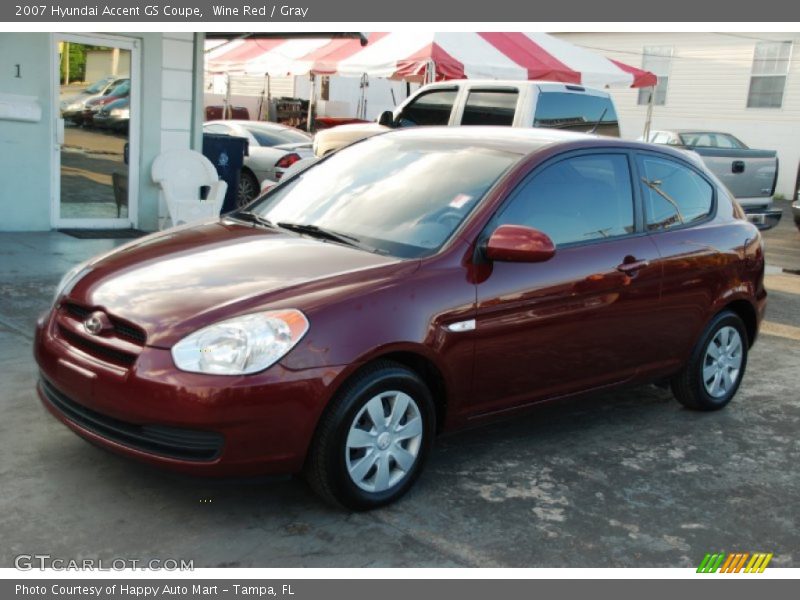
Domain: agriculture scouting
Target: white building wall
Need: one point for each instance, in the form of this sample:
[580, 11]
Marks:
[709, 80]
[177, 87]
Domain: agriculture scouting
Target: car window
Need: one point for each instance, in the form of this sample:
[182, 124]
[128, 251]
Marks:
[727, 141]
[576, 111]
[577, 199]
[122, 89]
[97, 86]
[700, 140]
[660, 137]
[276, 137]
[403, 197]
[429, 108]
[673, 194]
[490, 107]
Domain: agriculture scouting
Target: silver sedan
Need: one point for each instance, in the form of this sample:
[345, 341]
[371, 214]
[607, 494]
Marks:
[273, 149]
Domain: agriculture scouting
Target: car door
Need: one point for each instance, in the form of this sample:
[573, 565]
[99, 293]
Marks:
[679, 203]
[581, 319]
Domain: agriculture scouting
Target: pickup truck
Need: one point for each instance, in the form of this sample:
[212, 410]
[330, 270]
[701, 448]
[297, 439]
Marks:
[749, 174]
[488, 102]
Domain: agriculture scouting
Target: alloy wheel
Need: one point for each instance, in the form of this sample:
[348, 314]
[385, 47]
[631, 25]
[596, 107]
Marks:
[384, 441]
[722, 362]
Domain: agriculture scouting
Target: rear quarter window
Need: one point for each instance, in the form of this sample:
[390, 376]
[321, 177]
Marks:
[674, 195]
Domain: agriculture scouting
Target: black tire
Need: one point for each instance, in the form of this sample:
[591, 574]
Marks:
[326, 467]
[688, 386]
[248, 188]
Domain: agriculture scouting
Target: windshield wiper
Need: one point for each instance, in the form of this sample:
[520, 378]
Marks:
[320, 232]
[599, 121]
[251, 217]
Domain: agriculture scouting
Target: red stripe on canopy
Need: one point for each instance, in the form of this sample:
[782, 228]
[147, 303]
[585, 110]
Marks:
[326, 59]
[414, 66]
[531, 56]
[640, 78]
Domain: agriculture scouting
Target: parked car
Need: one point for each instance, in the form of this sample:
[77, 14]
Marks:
[72, 108]
[273, 149]
[115, 115]
[488, 102]
[300, 165]
[93, 106]
[749, 174]
[796, 211]
[341, 321]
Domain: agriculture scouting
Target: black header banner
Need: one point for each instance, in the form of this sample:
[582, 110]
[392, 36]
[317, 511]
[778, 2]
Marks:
[263, 14]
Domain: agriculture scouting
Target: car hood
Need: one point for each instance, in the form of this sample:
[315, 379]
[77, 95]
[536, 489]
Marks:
[174, 282]
[341, 135]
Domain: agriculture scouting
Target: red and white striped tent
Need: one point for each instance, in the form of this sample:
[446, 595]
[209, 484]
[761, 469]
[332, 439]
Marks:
[426, 56]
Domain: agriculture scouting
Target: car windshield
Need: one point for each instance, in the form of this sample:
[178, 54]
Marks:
[399, 196]
[275, 136]
[122, 89]
[97, 86]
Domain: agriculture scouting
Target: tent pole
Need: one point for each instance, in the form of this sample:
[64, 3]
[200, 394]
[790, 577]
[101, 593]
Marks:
[269, 96]
[311, 102]
[649, 119]
[227, 110]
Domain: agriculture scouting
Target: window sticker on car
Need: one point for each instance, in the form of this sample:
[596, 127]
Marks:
[460, 200]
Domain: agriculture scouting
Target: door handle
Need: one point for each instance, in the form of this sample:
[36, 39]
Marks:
[737, 166]
[630, 265]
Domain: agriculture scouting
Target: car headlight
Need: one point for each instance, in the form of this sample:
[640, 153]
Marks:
[73, 276]
[120, 113]
[242, 345]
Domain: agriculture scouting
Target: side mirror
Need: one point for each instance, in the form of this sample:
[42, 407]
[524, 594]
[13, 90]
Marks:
[386, 119]
[516, 243]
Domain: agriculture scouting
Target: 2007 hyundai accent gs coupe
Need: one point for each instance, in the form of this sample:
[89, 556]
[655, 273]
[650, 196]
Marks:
[412, 283]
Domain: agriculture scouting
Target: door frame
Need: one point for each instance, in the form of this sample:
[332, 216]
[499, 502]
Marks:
[123, 43]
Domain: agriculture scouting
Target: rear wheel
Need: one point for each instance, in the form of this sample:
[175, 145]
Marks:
[248, 188]
[373, 440]
[712, 376]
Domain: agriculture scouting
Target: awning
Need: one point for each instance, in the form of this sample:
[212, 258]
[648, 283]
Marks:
[426, 56]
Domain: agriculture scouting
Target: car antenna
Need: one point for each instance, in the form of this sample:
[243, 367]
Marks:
[600, 120]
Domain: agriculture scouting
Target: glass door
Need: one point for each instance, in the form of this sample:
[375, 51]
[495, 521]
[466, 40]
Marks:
[96, 127]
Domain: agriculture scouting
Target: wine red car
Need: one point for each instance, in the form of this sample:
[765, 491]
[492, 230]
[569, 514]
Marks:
[412, 283]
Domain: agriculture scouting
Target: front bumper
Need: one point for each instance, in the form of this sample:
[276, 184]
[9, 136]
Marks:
[108, 122]
[197, 424]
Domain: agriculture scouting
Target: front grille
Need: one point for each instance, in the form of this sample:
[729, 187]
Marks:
[123, 329]
[169, 442]
[118, 357]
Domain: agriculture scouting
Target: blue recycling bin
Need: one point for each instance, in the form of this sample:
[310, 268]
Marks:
[227, 153]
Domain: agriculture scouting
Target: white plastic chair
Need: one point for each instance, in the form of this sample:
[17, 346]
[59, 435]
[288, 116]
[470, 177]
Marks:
[182, 175]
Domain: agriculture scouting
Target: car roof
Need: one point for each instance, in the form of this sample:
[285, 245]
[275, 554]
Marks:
[514, 139]
[701, 131]
[248, 123]
[523, 141]
[518, 83]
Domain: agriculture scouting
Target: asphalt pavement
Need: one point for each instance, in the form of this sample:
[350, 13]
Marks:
[627, 478]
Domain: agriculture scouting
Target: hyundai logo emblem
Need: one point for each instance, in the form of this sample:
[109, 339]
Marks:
[97, 323]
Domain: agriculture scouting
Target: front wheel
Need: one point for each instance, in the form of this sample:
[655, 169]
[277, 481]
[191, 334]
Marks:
[712, 376]
[373, 440]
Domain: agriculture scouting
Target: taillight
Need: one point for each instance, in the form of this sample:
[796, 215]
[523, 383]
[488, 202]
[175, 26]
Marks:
[287, 161]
